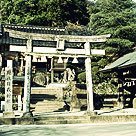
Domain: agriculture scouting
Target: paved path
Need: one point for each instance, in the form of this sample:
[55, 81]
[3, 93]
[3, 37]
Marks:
[113, 129]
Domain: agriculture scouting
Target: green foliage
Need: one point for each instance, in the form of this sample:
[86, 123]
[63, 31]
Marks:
[115, 17]
[82, 77]
[44, 12]
[105, 88]
[77, 29]
[2, 93]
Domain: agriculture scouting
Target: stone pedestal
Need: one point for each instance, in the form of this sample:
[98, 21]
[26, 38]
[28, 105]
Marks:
[2, 105]
[91, 113]
[134, 103]
[8, 115]
[27, 114]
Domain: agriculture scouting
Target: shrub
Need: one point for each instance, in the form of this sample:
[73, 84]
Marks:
[82, 77]
[2, 93]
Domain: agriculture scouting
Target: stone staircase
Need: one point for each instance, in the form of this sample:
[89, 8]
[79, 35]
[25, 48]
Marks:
[60, 118]
[47, 106]
[46, 100]
[110, 101]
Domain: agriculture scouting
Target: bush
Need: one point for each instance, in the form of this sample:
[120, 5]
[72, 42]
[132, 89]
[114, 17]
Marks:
[82, 77]
[105, 88]
[2, 93]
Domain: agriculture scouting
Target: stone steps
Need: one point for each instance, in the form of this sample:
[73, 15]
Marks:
[109, 102]
[42, 100]
[56, 91]
[48, 110]
[45, 100]
[47, 106]
[51, 120]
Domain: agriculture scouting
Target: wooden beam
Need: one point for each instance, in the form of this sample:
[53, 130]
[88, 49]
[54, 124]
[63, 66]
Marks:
[47, 50]
[57, 55]
[53, 37]
[97, 52]
[17, 48]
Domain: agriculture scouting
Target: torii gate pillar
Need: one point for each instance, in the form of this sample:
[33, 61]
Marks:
[27, 85]
[90, 104]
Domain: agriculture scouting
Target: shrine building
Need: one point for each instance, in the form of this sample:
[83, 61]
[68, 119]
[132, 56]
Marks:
[125, 68]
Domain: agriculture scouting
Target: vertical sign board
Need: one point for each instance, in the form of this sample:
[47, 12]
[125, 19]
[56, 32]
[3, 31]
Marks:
[8, 88]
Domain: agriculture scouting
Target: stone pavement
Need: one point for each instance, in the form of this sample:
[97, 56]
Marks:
[52, 118]
[108, 111]
[113, 111]
[112, 129]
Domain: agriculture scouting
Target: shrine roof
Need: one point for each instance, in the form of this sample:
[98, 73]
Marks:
[125, 61]
[5, 39]
[35, 29]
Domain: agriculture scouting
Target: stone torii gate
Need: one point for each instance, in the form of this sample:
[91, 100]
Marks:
[59, 51]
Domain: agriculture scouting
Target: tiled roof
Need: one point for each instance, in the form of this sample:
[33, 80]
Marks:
[127, 60]
[5, 39]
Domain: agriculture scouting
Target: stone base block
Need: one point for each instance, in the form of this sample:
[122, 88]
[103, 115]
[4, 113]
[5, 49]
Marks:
[75, 109]
[91, 113]
[8, 115]
[27, 114]
[134, 103]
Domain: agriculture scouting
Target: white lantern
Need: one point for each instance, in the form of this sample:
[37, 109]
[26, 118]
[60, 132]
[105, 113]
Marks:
[60, 60]
[75, 60]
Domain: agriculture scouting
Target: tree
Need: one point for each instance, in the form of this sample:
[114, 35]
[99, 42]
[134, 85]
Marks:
[118, 18]
[44, 12]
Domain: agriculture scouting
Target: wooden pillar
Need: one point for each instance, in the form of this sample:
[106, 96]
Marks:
[0, 60]
[90, 104]
[19, 103]
[8, 86]
[22, 64]
[120, 90]
[52, 71]
[27, 84]
[65, 76]
[0, 70]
